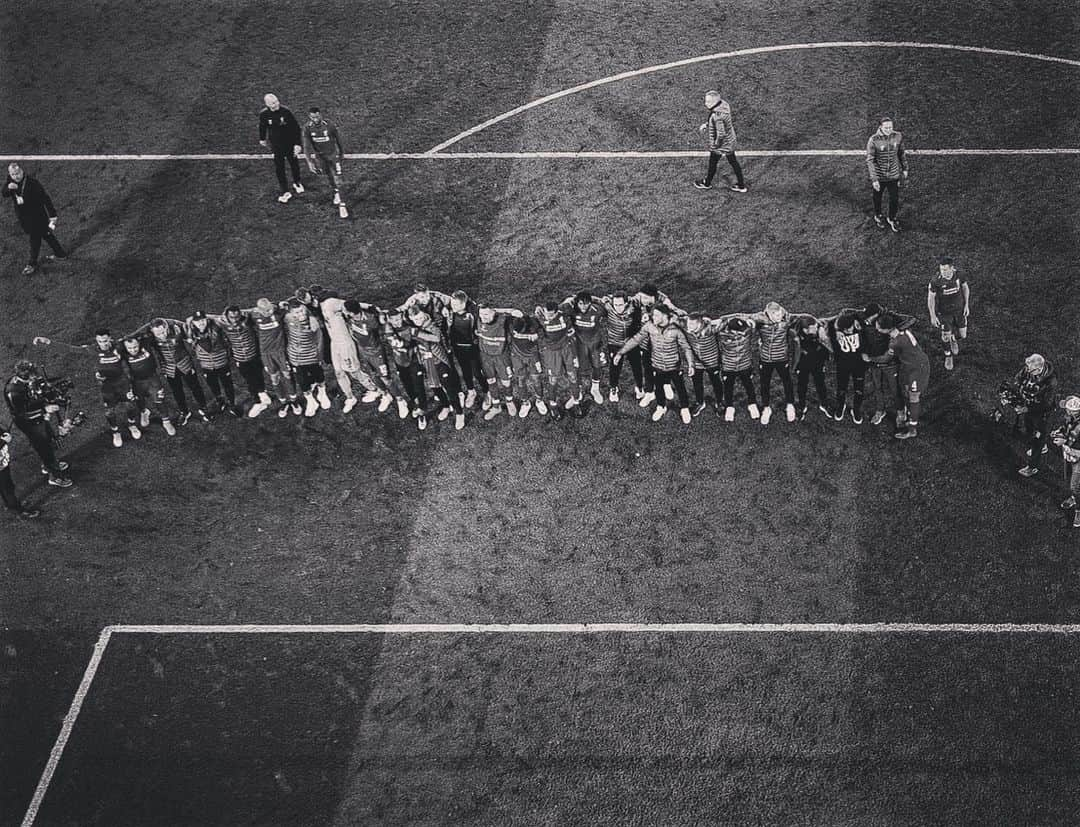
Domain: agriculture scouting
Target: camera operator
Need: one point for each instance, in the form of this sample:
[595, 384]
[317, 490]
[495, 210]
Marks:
[1036, 384]
[1067, 438]
[26, 399]
[7, 484]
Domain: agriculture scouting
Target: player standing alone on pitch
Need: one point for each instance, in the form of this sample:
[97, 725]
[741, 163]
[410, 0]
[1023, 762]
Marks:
[947, 299]
[322, 139]
[886, 164]
[279, 131]
[721, 132]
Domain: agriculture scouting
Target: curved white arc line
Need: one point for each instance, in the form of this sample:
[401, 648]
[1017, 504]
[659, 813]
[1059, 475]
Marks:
[758, 50]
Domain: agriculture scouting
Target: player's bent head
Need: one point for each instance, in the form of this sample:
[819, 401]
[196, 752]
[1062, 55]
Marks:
[24, 368]
[887, 321]
[885, 124]
[845, 322]
[486, 311]
[132, 345]
[660, 315]
[712, 98]
[1034, 364]
[946, 266]
[233, 314]
[15, 171]
[264, 306]
[738, 326]
[352, 307]
[650, 290]
[103, 337]
[583, 299]
[775, 311]
[459, 300]
[271, 101]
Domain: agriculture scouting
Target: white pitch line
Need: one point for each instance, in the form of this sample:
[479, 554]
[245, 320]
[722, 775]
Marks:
[607, 628]
[554, 155]
[67, 727]
[759, 50]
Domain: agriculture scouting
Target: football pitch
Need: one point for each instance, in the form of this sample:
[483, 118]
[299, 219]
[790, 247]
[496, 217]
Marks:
[608, 620]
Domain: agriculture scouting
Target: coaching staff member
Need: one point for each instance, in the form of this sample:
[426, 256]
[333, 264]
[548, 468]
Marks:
[886, 164]
[279, 130]
[35, 212]
[31, 414]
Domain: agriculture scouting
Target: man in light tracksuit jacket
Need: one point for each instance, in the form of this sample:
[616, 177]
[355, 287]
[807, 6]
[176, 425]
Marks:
[669, 351]
[721, 132]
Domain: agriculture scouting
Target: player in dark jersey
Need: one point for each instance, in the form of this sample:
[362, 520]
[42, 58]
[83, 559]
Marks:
[947, 298]
[240, 331]
[461, 333]
[166, 339]
[845, 336]
[527, 365]
[913, 368]
[588, 318]
[146, 384]
[813, 354]
[323, 151]
[269, 321]
[493, 341]
[407, 375]
[364, 323]
[558, 353]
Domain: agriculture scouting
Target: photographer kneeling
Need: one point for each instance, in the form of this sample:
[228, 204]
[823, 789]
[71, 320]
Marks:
[26, 394]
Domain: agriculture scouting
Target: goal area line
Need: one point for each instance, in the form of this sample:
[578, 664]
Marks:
[549, 155]
[586, 629]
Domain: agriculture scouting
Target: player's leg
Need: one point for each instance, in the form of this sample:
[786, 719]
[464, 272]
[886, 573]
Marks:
[35, 248]
[766, 372]
[802, 383]
[553, 369]
[717, 387]
[662, 383]
[452, 387]
[894, 198]
[176, 385]
[195, 387]
[54, 243]
[279, 170]
[746, 377]
[294, 168]
[843, 377]
[1074, 492]
[878, 218]
[648, 384]
[710, 173]
[729, 395]
[572, 370]
[679, 384]
[818, 373]
[784, 370]
[698, 383]
[740, 182]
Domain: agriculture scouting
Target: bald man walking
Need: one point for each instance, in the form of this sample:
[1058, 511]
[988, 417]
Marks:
[280, 131]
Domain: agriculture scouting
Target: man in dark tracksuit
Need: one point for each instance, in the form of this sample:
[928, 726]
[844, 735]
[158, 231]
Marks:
[279, 130]
[35, 212]
[886, 164]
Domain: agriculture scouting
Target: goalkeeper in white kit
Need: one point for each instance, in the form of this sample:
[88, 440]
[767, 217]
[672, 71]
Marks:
[323, 151]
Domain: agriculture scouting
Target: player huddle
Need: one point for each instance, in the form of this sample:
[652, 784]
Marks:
[438, 354]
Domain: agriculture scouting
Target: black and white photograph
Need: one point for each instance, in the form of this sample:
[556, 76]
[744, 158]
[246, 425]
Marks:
[539, 412]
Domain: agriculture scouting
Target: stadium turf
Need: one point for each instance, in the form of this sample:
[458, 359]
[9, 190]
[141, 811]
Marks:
[362, 519]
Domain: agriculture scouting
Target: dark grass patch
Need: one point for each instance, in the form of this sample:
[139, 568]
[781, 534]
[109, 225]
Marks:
[611, 729]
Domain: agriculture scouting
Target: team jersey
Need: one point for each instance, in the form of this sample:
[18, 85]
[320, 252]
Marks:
[913, 362]
[432, 353]
[333, 314]
[365, 329]
[242, 339]
[322, 138]
[556, 330]
[493, 336]
[847, 347]
[211, 347]
[705, 346]
[588, 323]
[736, 349]
[304, 345]
[526, 343]
[773, 341]
[270, 331]
[948, 293]
[667, 343]
[462, 326]
[811, 349]
[110, 367]
[620, 326]
[143, 365]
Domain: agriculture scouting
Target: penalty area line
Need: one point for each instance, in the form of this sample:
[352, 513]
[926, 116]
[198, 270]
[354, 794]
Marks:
[607, 628]
[550, 155]
[67, 727]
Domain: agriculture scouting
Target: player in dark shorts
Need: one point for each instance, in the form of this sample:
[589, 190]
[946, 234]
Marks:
[146, 384]
[116, 393]
[913, 366]
[493, 340]
[947, 299]
[323, 151]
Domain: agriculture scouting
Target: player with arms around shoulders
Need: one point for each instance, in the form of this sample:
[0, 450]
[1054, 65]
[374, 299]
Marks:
[948, 300]
[324, 153]
[146, 384]
[493, 339]
[669, 349]
[913, 367]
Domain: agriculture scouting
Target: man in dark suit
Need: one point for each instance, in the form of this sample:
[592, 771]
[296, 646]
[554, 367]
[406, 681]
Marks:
[35, 212]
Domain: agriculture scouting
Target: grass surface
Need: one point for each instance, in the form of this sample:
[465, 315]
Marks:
[609, 518]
